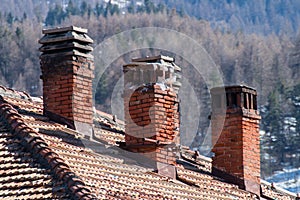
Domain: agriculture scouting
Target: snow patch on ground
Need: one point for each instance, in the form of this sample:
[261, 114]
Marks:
[288, 179]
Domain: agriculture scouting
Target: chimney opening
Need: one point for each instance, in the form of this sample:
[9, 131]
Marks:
[254, 102]
[246, 100]
[251, 101]
[234, 99]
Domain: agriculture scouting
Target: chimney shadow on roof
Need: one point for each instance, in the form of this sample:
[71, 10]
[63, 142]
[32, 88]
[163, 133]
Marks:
[64, 136]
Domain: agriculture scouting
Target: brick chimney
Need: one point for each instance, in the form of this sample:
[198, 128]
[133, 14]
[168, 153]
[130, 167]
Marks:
[152, 108]
[235, 136]
[67, 72]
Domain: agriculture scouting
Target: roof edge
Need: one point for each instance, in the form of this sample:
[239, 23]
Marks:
[279, 189]
[31, 140]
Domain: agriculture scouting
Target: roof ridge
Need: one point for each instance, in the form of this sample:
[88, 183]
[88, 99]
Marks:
[32, 140]
[16, 93]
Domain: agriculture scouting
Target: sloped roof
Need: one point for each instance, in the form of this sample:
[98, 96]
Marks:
[41, 159]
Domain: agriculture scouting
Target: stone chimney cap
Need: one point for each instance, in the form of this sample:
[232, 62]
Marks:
[235, 88]
[166, 60]
[65, 37]
[64, 29]
[153, 59]
[73, 44]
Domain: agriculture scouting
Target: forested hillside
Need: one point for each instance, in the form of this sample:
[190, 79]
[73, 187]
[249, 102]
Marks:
[264, 16]
[257, 46]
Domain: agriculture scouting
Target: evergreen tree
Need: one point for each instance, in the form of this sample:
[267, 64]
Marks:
[83, 8]
[111, 9]
[99, 9]
[149, 6]
[89, 11]
[107, 9]
[281, 123]
[55, 15]
[296, 98]
[71, 9]
[115, 10]
[140, 9]
[24, 16]
[10, 18]
[19, 33]
[130, 8]
[160, 8]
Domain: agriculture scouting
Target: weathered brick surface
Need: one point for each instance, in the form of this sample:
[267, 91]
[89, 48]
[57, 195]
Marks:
[237, 147]
[152, 113]
[67, 87]
[235, 134]
[67, 72]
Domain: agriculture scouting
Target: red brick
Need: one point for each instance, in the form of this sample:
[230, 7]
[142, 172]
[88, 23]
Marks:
[132, 103]
[61, 93]
[236, 150]
[154, 111]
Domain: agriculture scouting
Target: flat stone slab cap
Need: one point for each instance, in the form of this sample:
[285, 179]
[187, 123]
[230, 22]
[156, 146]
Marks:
[65, 45]
[67, 53]
[65, 36]
[153, 59]
[234, 88]
[64, 29]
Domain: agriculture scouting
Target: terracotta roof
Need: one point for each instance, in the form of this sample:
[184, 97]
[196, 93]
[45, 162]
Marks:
[41, 159]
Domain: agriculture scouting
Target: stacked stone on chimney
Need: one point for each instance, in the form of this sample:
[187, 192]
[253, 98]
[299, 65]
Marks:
[235, 135]
[67, 72]
[152, 107]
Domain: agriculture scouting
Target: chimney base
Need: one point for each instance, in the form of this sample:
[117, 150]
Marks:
[166, 170]
[243, 184]
[84, 128]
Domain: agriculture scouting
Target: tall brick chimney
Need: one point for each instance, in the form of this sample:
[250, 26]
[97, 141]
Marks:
[67, 72]
[152, 107]
[236, 140]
